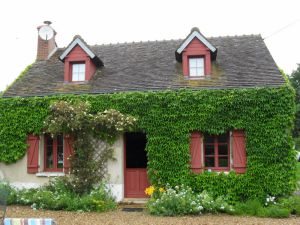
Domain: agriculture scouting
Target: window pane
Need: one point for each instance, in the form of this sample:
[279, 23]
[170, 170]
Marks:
[193, 72]
[223, 150]
[209, 139]
[200, 71]
[200, 62]
[49, 156]
[49, 140]
[74, 76]
[223, 161]
[209, 150]
[209, 162]
[59, 139]
[193, 62]
[75, 68]
[81, 76]
[81, 68]
[60, 156]
[223, 138]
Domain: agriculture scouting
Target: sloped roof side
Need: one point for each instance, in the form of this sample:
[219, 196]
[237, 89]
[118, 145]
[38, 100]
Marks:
[243, 61]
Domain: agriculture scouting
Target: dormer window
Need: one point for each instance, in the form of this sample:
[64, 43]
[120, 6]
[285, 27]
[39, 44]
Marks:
[78, 72]
[196, 66]
[196, 54]
[80, 61]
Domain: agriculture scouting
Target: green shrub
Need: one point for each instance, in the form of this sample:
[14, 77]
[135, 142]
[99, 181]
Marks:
[292, 203]
[255, 208]
[274, 211]
[250, 207]
[181, 200]
[11, 193]
[57, 195]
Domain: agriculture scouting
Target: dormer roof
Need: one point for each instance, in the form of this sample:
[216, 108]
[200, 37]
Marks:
[195, 33]
[77, 40]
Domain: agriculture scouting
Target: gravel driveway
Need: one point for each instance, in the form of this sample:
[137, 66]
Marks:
[141, 218]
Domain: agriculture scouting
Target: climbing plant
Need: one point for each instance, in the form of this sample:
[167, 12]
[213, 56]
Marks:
[168, 117]
[75, 119]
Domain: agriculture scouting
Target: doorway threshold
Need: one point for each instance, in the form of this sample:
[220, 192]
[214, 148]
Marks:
[135, 200]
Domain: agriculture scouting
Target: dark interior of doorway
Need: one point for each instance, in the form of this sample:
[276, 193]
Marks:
[136, 156]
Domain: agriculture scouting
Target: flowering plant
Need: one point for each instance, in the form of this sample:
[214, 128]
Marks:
[88, 163]
[182, 200]
[270, 200]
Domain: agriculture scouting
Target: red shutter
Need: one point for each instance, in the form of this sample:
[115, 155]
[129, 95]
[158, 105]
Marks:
[68, 151]
[239, 151]
[32, 153]
[196, 152]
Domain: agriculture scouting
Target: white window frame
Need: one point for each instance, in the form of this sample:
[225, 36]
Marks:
[78, 72]
[196, 67]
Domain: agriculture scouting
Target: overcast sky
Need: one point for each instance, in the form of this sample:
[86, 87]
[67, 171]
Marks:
[112, 21]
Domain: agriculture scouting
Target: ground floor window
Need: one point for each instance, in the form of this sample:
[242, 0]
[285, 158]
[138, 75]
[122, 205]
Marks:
[223, 152]
[216, 152]
[54, 153]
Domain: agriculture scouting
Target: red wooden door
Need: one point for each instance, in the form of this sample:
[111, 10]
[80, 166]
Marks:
[135, 163]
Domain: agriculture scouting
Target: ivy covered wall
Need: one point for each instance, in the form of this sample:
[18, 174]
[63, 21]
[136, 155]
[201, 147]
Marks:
[168, 117]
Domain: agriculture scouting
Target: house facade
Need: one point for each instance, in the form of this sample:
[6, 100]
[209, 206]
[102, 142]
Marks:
[214, 113]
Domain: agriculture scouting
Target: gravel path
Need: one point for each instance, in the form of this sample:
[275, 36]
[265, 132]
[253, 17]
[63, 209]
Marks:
[141, 218]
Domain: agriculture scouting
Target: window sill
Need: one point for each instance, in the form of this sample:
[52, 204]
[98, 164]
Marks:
[204, 77]
[50, 174]
[76, 82]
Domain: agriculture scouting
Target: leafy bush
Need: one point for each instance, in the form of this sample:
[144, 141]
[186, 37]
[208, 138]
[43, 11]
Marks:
[11, 192]
[274, 211]
[57, 195]
[250, 207]
[255, 208]
[181, 200]
[292, 203]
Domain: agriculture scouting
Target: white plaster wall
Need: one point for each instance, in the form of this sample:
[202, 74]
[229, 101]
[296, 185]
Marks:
[116, 170]
[16, 174]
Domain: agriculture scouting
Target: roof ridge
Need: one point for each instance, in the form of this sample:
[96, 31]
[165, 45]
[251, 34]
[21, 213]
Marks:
[163, 40]
[170, 40]
[235, 36]
[135, 42]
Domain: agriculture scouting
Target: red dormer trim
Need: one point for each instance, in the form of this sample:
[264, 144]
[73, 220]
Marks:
[196, 49]
[79, 52]
[195, 45]
[78, 55]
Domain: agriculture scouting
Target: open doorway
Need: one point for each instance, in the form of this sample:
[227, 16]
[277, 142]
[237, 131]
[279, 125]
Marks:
[135, 165]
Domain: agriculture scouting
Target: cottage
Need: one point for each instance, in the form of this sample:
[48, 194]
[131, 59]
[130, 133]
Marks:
[214, 113]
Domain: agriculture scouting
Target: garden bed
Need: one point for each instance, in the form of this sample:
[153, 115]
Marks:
[119, 217]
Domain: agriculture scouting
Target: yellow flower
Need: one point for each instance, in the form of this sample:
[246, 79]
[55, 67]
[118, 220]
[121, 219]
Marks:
[161, 189]
[149, 190]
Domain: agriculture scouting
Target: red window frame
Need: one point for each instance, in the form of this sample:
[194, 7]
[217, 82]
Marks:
[216, 155]
[54, 155]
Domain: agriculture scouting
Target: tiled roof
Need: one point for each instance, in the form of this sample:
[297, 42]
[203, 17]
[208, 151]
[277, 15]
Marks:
[242, 61]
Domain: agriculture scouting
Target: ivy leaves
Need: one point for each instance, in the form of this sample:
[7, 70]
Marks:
[168, 117]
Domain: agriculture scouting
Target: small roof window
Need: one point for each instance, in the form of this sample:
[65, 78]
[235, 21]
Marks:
[78, 72]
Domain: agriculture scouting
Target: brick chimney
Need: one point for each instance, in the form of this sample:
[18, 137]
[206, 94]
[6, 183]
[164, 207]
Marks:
[46, 41]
